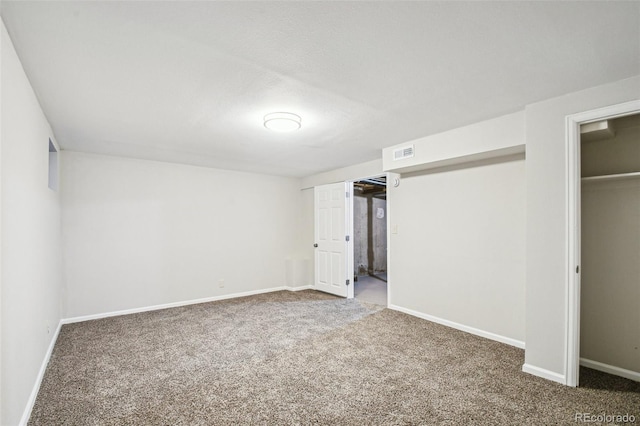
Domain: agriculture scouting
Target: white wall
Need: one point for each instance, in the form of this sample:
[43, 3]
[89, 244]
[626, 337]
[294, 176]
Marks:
[459, 254]
[500, 136]
[31, 267]
[458, 246]
[361, 170]
[3, 34]
[547, 204]
[142, 233]
[307, 236]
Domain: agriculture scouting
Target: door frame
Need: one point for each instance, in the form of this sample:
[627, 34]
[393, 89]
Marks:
[573, 220]
[351, 255]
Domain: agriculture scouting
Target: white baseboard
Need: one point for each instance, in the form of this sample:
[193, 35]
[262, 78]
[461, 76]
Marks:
[461, 327]
[36, 387]
[171, 305]
[304, 287]
[611, 369]
[545, 374]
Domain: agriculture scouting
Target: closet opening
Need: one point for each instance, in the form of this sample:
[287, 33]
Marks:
[370, 240]
[610, 246]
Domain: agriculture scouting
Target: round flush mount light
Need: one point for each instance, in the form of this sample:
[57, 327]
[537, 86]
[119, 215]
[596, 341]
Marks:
[282, 121]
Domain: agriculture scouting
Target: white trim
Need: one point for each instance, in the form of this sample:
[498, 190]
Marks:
[349, 230]
[486, 334]
[611, 369]
[390, 177]
[36, 386]
[573, 215]
[545, 374]
[172, 305]
[572, 290]
[304, 287]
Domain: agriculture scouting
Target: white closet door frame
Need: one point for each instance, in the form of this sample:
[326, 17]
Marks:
[573, 179]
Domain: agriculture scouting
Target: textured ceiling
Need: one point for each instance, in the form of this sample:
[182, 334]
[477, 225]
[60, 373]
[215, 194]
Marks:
[189, 82]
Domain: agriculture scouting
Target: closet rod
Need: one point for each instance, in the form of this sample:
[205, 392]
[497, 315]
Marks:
[612, 177]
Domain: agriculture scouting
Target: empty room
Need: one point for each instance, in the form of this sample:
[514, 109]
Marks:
[319, 212]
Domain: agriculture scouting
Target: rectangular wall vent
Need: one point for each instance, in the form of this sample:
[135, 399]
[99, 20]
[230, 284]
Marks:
[402, 153]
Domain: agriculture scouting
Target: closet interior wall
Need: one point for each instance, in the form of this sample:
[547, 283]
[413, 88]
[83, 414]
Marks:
[610, 248]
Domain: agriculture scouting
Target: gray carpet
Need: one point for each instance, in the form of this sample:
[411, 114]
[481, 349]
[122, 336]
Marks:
[302, 358]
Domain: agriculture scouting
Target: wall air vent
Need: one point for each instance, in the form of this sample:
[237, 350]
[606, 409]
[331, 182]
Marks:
[402, 153]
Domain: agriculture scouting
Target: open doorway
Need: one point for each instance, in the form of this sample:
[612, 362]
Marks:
[604, 236]
[370, 240]
[610, 246]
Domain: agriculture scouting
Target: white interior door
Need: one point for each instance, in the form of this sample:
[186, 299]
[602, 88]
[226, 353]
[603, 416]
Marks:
[332, 225]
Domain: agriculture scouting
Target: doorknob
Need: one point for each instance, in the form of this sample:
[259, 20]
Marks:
[315, 245]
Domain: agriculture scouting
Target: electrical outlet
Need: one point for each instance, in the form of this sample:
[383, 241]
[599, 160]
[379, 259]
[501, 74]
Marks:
[221, 283]
[48, 330]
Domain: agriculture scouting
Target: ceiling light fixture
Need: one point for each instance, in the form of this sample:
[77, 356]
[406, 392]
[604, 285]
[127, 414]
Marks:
[282, 121]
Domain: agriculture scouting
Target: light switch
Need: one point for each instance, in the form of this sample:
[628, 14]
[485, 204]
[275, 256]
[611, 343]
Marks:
[394, 228]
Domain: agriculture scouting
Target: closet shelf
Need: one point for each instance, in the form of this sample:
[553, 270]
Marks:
[619, 176]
